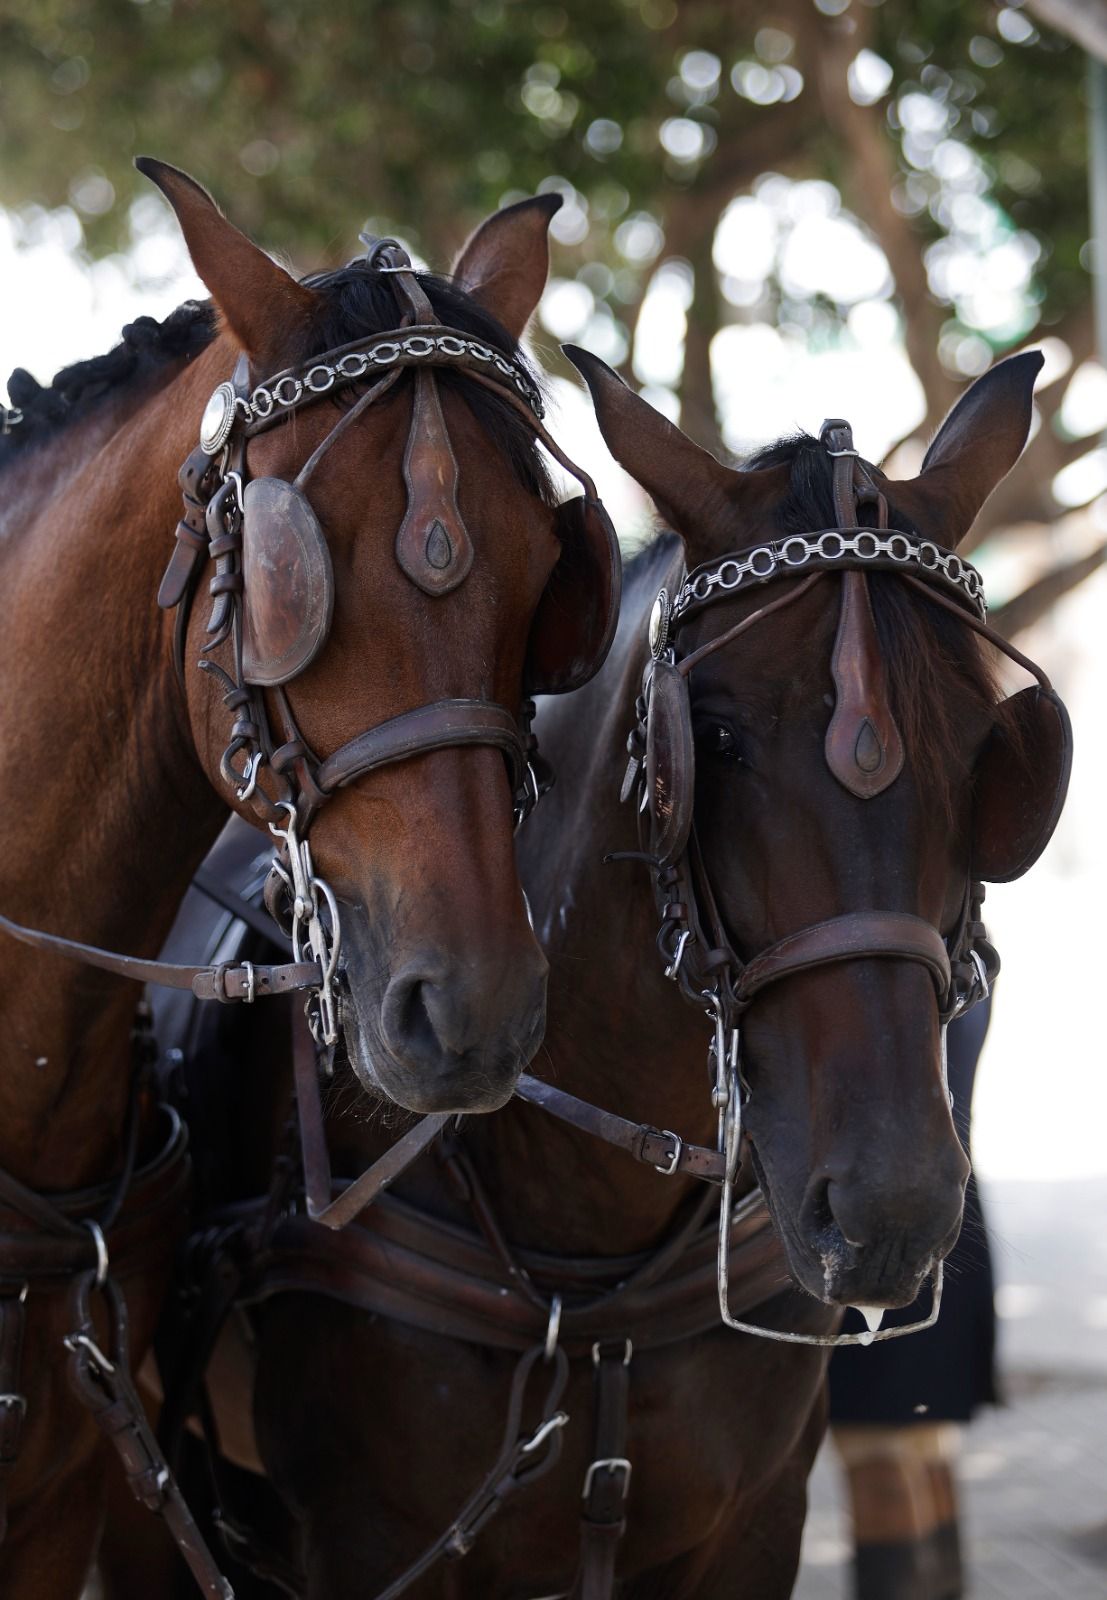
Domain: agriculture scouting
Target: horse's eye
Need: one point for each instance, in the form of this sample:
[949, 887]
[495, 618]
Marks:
[716, 739]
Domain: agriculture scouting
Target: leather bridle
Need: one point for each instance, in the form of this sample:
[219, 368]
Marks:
[215, 485]
[692, 940]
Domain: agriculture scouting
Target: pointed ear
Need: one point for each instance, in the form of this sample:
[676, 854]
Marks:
[263, 305]
[506, 262]
[705, 502]
[976, 446]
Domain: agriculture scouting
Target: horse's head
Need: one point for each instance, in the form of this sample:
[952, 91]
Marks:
[854, 773]
[398, 577]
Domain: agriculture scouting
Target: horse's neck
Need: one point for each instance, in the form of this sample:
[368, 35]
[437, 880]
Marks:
[619, 1035]
[106, 810]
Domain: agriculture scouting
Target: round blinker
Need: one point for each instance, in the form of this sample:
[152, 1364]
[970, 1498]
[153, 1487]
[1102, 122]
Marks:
[670, 763]
[287, 583]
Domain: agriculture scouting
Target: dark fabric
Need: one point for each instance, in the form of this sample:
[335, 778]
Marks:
[949, 1370]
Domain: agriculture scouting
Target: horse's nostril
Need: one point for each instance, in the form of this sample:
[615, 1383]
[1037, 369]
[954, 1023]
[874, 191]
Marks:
[407, 1016]
[839, 1212]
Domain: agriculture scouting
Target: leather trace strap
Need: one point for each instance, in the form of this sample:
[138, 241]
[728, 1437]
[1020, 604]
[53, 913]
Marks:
[526, 1455]
[104, 1385]
[603, 1517]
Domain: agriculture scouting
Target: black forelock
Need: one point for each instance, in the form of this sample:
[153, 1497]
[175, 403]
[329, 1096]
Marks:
[354, 302]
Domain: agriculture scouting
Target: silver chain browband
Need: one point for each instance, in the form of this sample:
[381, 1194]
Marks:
[288, 390]
[848, 545]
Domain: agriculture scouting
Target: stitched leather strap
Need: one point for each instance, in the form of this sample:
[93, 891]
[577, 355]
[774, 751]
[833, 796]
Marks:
[854, 936]
[655, 1147]
[607, 1481]
[437, 1276]
[13, 1404]
[221, 982]
[439, 726]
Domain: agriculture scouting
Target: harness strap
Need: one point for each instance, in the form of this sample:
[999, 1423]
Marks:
[103, 1384]
[13, 1404]
[438, 726]
[335, 1211]
[655, 1147]
[603, 1517]
[223, 981]
[525, 1456]
[855, 935]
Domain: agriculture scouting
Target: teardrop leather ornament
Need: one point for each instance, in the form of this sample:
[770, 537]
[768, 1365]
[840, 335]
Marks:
[432, 527]
[863, 745]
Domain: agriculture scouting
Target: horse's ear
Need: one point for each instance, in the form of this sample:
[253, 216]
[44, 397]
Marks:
[700, 498]
[506, 262]
[262, 304]
[976, 446]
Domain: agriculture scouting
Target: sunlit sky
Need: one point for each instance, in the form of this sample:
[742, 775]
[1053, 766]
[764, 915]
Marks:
[1041, 1101]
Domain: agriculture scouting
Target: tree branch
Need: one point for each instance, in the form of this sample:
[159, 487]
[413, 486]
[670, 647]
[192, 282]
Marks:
[873, 174]
[1040, 597]
[1082, 20]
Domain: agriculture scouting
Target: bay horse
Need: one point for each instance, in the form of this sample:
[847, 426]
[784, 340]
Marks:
[447, 584]
[815, 817]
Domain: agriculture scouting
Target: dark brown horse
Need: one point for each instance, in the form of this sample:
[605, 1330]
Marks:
[848, 861]
[112, 764]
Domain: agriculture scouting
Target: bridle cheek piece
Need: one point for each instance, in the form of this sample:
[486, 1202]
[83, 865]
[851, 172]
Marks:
[1019, 787]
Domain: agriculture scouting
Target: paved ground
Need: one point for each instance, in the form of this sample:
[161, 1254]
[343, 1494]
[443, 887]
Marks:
[1033, 1473]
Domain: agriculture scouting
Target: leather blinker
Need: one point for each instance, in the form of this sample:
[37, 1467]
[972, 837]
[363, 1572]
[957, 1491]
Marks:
[288, 583]
[579, 609]
[670, 762]
[1021, 779]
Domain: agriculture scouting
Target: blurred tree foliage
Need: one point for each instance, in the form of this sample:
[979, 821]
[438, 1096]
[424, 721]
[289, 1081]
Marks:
[946, 125]
[304, 119]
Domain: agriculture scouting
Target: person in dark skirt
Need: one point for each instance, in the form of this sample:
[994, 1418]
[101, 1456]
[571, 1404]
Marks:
[896, 1407]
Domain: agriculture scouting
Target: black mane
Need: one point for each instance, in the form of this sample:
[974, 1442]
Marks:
[145, 346]
[356, 302]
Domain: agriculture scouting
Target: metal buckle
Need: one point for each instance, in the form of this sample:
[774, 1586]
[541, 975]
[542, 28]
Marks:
[673, 968]
[101, 1250]
[543, 1431]
[553, 1328]
[668, 1169]
[597, 1352]
[81, 1341]
[607, 1464]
